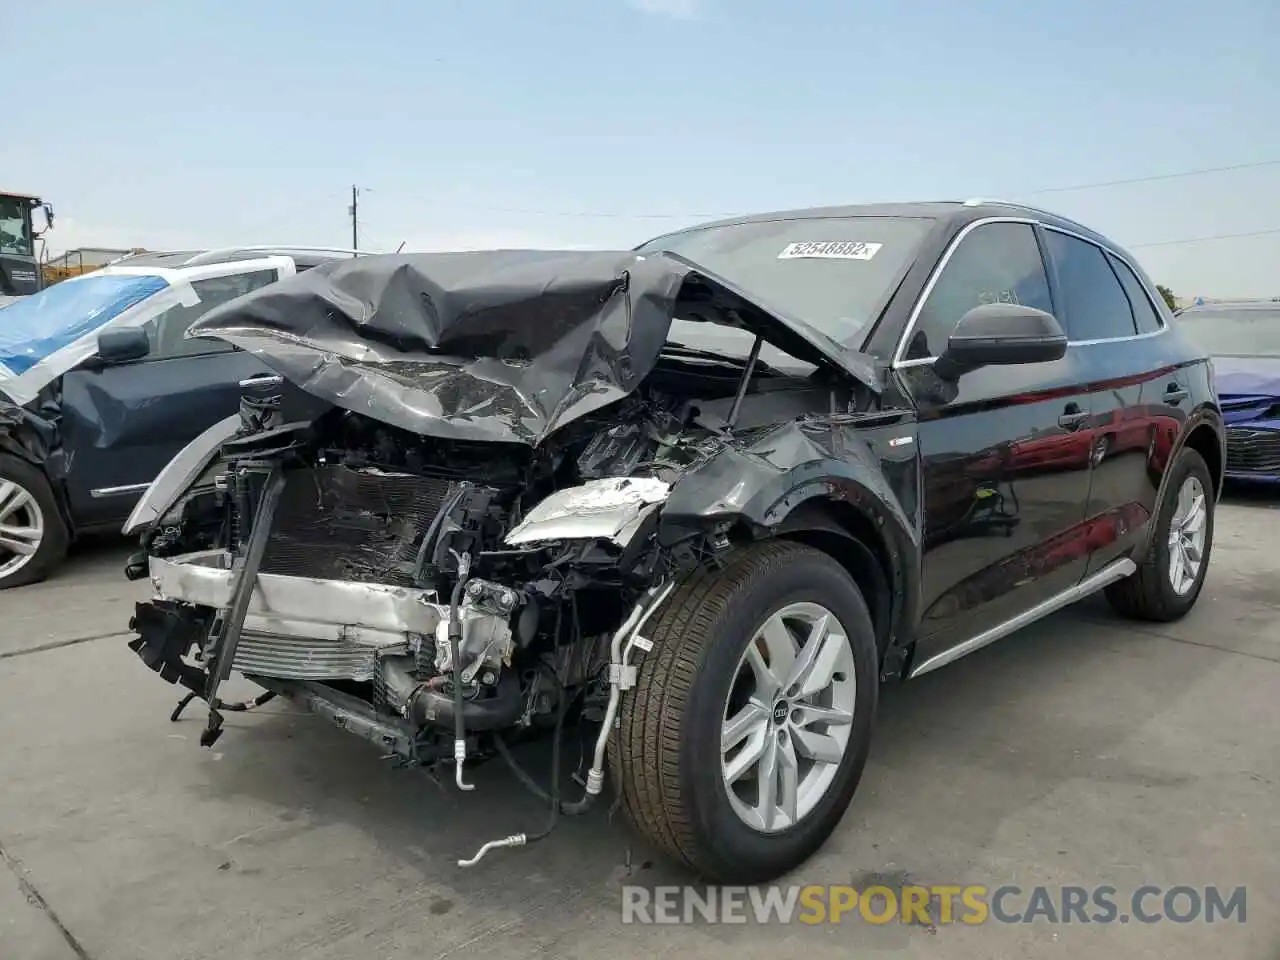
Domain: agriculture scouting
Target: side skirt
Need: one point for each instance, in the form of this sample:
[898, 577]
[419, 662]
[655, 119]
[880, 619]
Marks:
[1110, 574]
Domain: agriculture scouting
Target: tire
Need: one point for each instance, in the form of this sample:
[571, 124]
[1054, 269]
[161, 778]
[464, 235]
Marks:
[27, 504]
[667, 757]
[1149, 593]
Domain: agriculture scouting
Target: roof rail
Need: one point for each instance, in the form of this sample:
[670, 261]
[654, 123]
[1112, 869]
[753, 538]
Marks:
[213, 256]
[1030, 208]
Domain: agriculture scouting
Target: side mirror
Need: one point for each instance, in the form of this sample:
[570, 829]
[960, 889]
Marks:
[122, 346]
[1000, 334]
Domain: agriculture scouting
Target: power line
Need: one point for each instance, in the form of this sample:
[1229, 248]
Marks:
[355, 224]
[1217, 236]
[1097, 185]
[712, 215]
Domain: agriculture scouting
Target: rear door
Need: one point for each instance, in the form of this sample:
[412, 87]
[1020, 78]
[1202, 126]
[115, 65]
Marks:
[1113, 326]
[1006, 467]
[123, 423]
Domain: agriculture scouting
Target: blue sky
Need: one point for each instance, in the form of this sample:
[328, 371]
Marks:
[479, 123]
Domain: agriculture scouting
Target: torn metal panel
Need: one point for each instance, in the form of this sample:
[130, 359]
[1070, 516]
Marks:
[507, 346]
[758, 478]
[24, 434]
[850, 460]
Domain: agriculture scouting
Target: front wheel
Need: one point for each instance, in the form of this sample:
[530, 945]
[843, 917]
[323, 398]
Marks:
[1169, 578]
[32, 536]
[741, 746]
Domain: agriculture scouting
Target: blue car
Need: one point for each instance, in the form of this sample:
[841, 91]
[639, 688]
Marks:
[1244, 342]
[100, 387]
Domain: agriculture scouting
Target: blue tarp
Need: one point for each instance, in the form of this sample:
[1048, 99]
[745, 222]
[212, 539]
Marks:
[38, 326]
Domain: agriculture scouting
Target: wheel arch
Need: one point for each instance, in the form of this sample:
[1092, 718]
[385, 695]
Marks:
[1206, 439]
[20, 441]
[860, 544]
[1204, 433]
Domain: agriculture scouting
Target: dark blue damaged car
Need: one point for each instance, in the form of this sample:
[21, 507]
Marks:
[1244, 341]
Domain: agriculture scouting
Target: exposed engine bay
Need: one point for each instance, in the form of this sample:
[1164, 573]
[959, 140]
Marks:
[439, 595]
[445, 524]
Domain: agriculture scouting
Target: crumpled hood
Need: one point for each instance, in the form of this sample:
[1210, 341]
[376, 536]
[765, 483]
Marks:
[1247, 376]
[504, 345]
[1248, 387]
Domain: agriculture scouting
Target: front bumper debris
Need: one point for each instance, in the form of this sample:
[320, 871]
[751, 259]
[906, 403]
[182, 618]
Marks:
[300, 628]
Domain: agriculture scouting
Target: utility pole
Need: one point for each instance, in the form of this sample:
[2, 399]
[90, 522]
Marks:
[355, 227]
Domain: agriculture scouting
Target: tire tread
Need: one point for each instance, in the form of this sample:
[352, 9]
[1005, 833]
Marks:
[646, 743]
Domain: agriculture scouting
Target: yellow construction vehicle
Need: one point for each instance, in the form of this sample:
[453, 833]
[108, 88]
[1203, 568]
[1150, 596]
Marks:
[19, 273]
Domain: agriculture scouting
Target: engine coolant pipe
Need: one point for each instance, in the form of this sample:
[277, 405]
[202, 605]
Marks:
[620, 647]
[619, 680]
[455, 650]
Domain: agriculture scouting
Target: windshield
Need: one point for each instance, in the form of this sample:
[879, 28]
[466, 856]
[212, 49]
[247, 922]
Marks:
[39, 325]
[1225, 332]
[830, 272]
[15, 230]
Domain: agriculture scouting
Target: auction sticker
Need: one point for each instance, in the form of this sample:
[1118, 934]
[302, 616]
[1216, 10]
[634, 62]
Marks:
[830, 250]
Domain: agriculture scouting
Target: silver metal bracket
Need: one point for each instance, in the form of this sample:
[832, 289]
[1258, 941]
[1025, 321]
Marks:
[623, 676]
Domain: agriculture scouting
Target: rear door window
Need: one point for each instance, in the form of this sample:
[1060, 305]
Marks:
[1095, 306]
[1144, 313]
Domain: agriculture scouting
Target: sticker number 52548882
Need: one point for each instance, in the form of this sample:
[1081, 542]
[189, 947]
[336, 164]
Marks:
[830, 250]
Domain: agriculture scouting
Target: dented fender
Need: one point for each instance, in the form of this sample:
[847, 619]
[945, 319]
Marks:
[864, 463]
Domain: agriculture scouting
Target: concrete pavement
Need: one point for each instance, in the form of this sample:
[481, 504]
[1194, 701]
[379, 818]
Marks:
[1083, 751]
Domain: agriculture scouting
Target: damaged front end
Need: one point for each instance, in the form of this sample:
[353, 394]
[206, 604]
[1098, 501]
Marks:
[439, 591]
[306, 555]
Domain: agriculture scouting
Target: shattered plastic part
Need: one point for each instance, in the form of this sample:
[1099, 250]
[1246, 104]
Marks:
[606, 509]
[178, 475]
[502, 345]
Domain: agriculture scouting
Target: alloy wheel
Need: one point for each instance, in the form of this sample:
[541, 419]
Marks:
[1187, 530]
[21, 527]
[788, 717]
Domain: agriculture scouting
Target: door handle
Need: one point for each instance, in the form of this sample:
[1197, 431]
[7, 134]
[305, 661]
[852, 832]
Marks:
[1175, 393]
[1072, 417]
[262, 380]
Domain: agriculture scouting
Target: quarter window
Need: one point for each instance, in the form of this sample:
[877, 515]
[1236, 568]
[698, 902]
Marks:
[1095, 305]
[1144, 314]
[995, 263]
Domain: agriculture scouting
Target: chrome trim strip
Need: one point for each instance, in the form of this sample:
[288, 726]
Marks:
[1116, 571]
[899, 362]
[118, 491]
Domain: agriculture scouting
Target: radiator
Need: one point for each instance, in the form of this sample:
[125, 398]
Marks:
[305, 659]
[364, 525]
